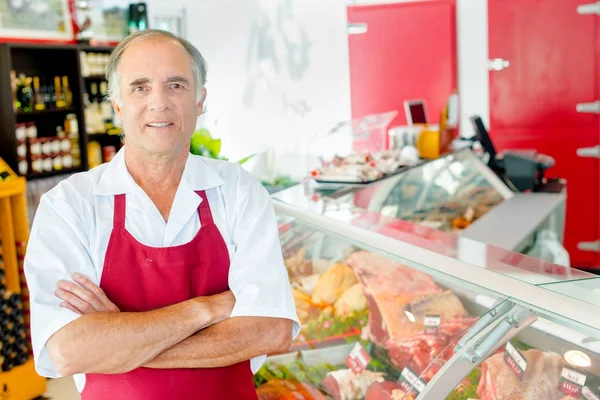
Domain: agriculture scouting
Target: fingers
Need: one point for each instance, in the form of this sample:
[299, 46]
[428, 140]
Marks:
[78, 294]
[73, 302]
[96, 291]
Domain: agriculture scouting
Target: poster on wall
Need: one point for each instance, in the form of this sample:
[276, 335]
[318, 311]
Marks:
[107, 19]
[35, 20]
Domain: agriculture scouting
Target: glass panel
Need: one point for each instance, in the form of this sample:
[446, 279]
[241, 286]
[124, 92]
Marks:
[401, 317]
[585, 290]
[365, 208]
[546, 361]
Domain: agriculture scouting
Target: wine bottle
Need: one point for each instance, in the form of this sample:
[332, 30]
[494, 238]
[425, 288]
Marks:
[37, 94]
[68, 95]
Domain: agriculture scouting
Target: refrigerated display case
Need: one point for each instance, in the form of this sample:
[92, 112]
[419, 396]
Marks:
[388, 318]
[456, 193]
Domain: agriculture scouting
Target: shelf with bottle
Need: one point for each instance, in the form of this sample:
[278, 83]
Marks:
[40, 95]
[99, 113]
[49, 153]
[99, 154]
[93, 64]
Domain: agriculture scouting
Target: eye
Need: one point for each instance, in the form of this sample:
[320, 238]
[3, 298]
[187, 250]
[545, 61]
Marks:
[176, 86]
[138, 88]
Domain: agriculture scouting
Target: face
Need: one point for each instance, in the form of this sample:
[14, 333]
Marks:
[158, 107]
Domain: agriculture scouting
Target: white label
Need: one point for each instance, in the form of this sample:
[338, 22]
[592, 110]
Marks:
[572, 376]
[588, 394]
[516, 355]
[413, 380]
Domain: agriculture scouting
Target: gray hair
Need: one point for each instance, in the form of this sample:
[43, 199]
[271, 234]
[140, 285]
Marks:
[198, 62]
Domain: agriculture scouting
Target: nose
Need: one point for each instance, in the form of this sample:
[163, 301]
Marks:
[159, 100]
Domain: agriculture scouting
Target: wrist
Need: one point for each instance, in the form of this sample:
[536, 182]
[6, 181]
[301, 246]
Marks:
[204, 314]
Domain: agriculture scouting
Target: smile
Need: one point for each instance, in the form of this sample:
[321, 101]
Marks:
[160, 124]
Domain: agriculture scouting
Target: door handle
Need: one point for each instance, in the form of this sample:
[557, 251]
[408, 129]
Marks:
[587, 9]
[498, 64]
[593, 107]
[357, 28]
[593, 152]
[589, 246]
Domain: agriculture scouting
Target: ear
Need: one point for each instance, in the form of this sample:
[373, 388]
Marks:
[118, 110]
[200, 104]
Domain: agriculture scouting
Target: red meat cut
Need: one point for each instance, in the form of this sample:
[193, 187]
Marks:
[421, 350]
[399, 297]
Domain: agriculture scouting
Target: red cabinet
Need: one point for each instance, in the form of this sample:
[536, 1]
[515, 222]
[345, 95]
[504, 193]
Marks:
[408, 52]
[554, 65]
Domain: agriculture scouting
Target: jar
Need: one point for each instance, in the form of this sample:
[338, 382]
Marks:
[21, 132]
[56, 145]
[36, 163]
[65, 145]
[46, 146]
[67, 160]
[22, 148]
[35, 146]
[108, 152]
[57, 162]
[23, 166]
[47, 164]
[31, 130]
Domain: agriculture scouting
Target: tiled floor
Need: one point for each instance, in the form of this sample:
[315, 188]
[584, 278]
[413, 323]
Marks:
[62, 389]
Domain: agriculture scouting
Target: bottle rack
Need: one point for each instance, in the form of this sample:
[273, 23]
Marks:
[81, 64]
[20, 382]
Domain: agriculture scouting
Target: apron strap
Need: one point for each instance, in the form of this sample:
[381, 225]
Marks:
[119, 216]
[204, 209]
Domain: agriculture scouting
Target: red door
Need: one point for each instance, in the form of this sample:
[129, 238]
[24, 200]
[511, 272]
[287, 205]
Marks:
[408, 52]
[554, 64]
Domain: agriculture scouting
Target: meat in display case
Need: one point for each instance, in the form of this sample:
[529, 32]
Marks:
[382, 319]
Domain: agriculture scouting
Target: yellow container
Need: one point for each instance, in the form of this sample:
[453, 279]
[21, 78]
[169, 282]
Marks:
[22, 383]
[428, 143]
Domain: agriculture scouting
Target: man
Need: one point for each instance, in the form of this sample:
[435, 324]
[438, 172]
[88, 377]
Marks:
[158, 275]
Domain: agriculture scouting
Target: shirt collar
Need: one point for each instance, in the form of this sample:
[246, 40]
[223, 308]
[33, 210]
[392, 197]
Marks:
[115, 179]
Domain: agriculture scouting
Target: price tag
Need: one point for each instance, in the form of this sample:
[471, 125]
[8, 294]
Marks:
[515, 360]
[571, 382]
[410, 382]
[432, 322]
[358, 359]
[589, 394]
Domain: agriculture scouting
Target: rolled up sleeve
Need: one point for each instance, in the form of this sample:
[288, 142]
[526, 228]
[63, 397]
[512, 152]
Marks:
[257, 276]
[57, 248]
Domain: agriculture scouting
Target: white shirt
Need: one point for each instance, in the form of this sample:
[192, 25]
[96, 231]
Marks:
[74, 221]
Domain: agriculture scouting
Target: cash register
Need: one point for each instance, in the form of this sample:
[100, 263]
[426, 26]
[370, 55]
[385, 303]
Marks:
[522, 169]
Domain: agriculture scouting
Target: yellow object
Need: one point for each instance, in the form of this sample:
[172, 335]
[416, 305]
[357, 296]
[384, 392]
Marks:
[428, 143]
[333, 283]
[22, 382]
[352, 300]
[94, 154]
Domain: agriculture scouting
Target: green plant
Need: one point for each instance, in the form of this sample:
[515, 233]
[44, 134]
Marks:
[203, 144]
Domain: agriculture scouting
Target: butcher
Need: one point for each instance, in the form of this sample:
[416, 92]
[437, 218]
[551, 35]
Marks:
[158, 275]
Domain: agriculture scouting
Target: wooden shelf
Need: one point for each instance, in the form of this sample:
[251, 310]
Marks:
[43, 112]
[95, 77]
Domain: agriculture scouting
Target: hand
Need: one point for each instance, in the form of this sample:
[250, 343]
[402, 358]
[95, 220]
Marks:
[83, 297]
[221, 305]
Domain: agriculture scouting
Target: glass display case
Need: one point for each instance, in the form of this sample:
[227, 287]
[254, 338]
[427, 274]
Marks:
[457, 194]
[385, 318]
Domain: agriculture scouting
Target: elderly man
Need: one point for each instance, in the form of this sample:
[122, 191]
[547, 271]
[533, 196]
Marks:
[158, 275]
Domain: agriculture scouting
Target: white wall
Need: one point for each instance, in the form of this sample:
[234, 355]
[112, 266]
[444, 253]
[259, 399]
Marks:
[315, 84]
[473, 76]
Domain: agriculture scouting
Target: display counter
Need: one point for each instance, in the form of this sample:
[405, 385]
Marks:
[398, 315]
[457, 193]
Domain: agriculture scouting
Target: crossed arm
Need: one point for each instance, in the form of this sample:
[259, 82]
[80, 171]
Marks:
[196, 333]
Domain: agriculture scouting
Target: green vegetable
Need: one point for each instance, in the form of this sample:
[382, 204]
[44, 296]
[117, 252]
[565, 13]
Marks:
[468, 391]
[328, 326]
[203, 144]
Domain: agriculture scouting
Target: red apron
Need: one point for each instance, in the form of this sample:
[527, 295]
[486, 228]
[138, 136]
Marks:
[142, 278]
